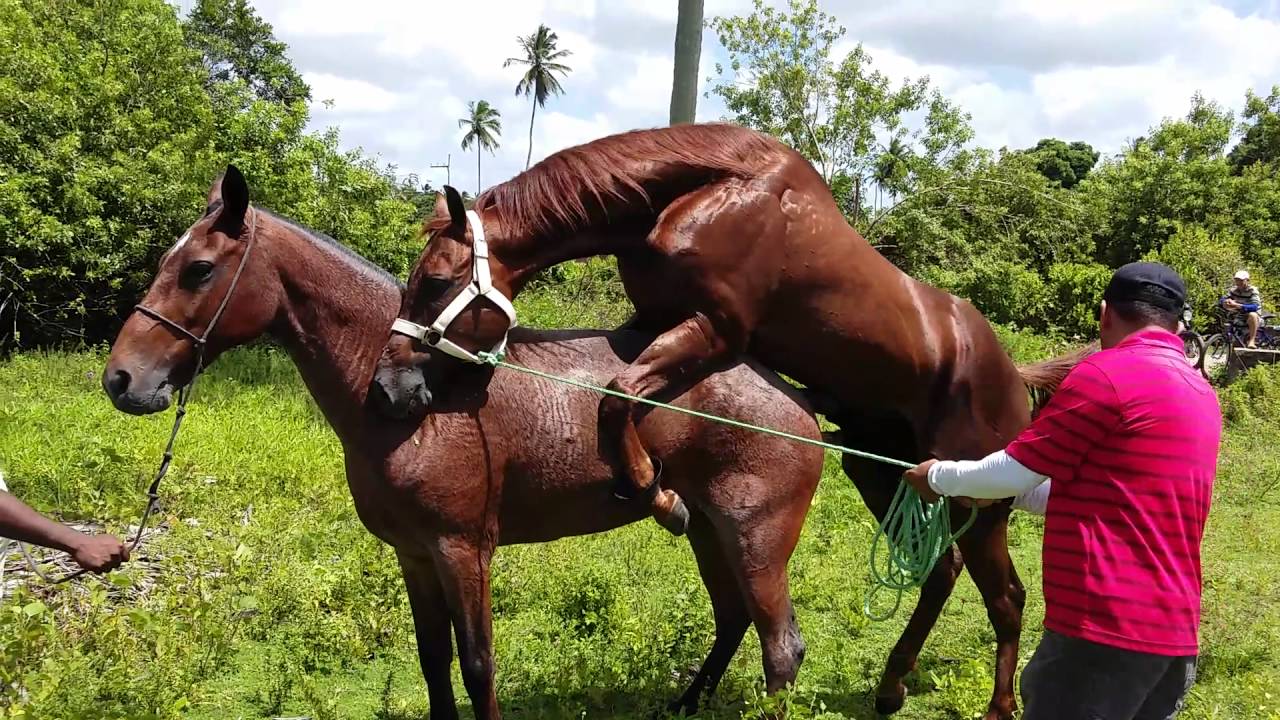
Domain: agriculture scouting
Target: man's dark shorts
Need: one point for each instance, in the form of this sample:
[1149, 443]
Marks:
[1073, 679]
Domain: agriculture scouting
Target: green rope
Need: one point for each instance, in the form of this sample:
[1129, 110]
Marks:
[917, 532]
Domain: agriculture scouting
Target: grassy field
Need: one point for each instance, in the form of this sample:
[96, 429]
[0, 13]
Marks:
[265, 597]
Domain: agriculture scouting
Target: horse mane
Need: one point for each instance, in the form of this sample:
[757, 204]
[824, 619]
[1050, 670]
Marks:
[1043, 378]
[572, 189]
[356, 259]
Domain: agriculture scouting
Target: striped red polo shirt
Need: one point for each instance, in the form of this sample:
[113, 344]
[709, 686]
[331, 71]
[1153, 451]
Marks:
[1130, 441]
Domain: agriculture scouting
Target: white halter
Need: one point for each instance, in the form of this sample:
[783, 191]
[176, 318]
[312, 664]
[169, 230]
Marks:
[481, 286]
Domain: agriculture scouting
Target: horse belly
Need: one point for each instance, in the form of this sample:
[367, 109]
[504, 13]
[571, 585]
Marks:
[532, 514]
[556, 483]
[845, 363]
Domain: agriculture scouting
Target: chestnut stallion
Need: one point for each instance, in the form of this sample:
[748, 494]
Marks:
[729, 242]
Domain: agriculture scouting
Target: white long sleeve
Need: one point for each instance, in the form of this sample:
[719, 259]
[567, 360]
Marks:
[1035, 500]
[994, 477]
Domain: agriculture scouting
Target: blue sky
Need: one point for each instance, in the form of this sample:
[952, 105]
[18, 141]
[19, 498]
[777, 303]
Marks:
[399, 72]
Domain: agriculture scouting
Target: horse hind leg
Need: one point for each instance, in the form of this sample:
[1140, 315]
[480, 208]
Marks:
[986, 552]
[727, 606]
[758, 546]
[891, 693]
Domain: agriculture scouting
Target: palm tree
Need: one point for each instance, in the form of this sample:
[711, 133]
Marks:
[540, 56]
[684, 87]
[891, 168]
[484, 127]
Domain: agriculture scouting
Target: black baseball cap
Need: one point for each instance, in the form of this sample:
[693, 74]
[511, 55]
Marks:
[1152, 283]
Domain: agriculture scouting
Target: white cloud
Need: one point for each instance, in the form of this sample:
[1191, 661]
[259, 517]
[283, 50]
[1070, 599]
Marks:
[558, 130]
[400, 72]
[645, 86]
[349, 94]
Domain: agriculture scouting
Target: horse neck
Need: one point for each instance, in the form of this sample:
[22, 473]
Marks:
[333, 320]
[517, 258]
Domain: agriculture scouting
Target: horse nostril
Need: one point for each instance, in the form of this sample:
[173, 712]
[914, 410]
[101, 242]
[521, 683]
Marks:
[117, 383]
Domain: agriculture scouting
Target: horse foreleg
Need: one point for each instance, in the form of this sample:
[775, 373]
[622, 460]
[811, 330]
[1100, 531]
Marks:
[675, 361]
[431, 629]
[464, 577]
[986, 553]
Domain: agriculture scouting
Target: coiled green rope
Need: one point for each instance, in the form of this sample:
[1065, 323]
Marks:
[916, 532]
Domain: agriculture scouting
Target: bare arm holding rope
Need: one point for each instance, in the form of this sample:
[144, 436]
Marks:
[96, 553]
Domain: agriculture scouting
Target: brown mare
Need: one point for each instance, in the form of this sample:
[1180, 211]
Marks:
[516, 463]
[728, 242]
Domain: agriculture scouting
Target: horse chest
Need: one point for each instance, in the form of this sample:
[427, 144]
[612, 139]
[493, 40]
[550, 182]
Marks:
[407, 503]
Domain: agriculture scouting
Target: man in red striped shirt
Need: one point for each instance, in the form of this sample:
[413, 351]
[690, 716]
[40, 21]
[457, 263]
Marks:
[1130, 440]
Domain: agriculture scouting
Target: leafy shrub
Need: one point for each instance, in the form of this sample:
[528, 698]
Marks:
[1255, 395]
[108, 143]
[1003, 291]
[1206, 263]
[1077, 289]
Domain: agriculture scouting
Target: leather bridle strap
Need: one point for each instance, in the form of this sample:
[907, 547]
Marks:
[184, 396]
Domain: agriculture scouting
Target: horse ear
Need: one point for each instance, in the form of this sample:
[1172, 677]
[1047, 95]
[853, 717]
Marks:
[234, 192]
[457, 211]
[215, 190]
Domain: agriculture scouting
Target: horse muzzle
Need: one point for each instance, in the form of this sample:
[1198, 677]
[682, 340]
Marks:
[137, 395]
[399, 392]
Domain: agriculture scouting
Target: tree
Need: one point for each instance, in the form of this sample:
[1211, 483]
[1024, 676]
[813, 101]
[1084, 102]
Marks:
[540, 81]
[688, 52]
[782, 79]
[1261, 127]
[1064, 164]
[237, 45]
[484, 126]
[998, 210]
[1177, 174]
[109, 137]
[103, 124]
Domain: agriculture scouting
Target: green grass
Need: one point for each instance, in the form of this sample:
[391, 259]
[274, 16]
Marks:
[270, 599]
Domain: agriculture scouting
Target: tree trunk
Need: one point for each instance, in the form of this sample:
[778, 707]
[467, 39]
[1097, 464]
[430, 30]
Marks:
[857, 199]
[477, 169]
[528, 157]
[688, 51]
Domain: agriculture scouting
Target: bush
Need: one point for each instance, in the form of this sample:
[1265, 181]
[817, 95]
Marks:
[1255, 396]
[1003, 291]
[1206, 263]
[1077, 289]
[109, 139]
[1026, 346]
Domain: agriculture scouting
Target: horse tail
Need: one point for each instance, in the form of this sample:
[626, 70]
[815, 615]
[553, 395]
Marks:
[1042, 378]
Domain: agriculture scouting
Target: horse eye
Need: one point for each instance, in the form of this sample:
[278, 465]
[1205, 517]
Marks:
[196, 274]
[434, 287]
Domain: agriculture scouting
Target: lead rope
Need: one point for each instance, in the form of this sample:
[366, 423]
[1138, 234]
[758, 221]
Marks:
[916, 532]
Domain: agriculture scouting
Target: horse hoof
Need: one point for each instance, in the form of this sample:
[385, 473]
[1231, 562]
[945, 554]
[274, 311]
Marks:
[890, 704]
[675, 516]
